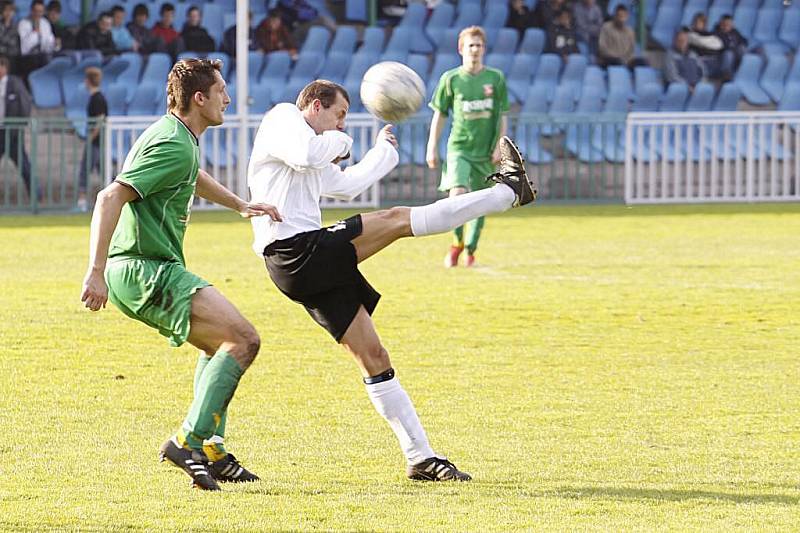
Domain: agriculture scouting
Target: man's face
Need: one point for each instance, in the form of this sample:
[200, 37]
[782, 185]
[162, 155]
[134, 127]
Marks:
[193, 18]
[216, 102]
[167, 17]
[621, 18]
[682, 42]
[8, 12]
[322, 118]
[274, 22]
[472, 47]
[104, 23]
[53, 15]
[37, 12]
[726, 25]
[141, 19]
[119, 18]
[700, 24]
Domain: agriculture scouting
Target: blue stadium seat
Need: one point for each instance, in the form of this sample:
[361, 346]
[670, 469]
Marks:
[260, 100]
[667, 19]
[715, 14]
[794, 72]
[275, 73]
[113, 69]
[791, 98]
[608, 137]
[701, 98]
[352, 81]
[493, 22]
[691, 8]
[727, 5]
[440, 20]
[674, 101]
[520, 75]
[699, 102]
[449, 42]
[157, 69]
[307, 67]
[116, 99]
[596, 77]
[755, 4]
[646, 99]
[767, 20]
[468, 15]
[317, 40]
[789, 32]
[441, 64]
[214, 21]
[46, 83]
[373, 41]
[612, 6]
[578, 140]
[533, 112]
[643, 75]
[420, 64]
[744, 18]
[619, 80]
[344, 42]
[335, 67]
[728, 98]
[501, 62]
[772, 80]
[573, 73]
[255, 64]
[399, 45]
[506, 42]
[646, 102]
[562, 106]
[145, 99]
[747, 79]
[226, 62]
[355, 10]
[74, 76]
[547, 74]
[532, 42]
[414, 21]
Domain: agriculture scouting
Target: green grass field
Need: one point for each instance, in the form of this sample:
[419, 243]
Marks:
[608, 368]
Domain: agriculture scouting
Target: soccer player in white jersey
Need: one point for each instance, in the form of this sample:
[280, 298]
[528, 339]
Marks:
[293, 164]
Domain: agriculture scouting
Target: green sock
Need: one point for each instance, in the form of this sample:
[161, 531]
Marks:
[458, 237]
[202, 362]
[215, 389]
[474, 228]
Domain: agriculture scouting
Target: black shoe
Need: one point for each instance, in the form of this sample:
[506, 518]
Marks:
[436, 469]
[228, 469]
[193, 462]
[512, 173]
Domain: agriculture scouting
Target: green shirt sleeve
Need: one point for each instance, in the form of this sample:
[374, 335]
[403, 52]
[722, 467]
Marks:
[161, 165]
[442, 100]
[502, 94]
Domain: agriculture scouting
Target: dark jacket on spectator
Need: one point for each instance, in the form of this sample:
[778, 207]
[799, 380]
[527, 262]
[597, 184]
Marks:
[197, 39]
[731, 40]
[18, 99]
[561, 40]
[545, 13]
[229, 41]
[519, 20]
[273, 41]
[91, 38]
[147, 41]
[9, 40]
[296, 12]
[686, 68]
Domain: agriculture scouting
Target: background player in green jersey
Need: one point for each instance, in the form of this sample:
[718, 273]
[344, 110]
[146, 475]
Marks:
[478, 99]
[136, 261]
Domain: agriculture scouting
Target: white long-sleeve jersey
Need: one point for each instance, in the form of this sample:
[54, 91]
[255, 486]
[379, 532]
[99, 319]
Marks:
[291, 168]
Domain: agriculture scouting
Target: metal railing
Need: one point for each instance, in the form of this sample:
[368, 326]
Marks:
[712, 157]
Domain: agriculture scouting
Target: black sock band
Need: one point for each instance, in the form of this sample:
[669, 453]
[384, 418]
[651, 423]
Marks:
[380, 378]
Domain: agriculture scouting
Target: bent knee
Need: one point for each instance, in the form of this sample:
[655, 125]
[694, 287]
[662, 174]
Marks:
[248, 343]
[398, 217]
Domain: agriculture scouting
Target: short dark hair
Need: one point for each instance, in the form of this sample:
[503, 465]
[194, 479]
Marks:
[192, 8]
[186, 78]
[36, 3]
[166, 7]
[140, 9]
[620, 7]
[726, 16]
[117, 8]
[4, 4]
[322, 90]
[5, 62]
[54, 5]
[105, 14]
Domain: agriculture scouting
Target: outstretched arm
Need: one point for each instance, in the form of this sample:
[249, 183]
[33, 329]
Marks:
[104, 220]
[437, 125]
[213, 191]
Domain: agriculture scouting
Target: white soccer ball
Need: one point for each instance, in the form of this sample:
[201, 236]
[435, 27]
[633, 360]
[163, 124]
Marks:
[392, 91]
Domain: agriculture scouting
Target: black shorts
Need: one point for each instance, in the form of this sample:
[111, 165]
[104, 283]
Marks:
[319, 269]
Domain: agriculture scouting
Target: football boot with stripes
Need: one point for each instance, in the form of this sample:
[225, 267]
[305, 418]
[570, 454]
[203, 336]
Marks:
[228, 469]
[512, 173]
[436, 469]
[193, 462]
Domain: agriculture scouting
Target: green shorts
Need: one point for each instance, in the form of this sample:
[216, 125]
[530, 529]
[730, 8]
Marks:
[458, 171]
[158, 293]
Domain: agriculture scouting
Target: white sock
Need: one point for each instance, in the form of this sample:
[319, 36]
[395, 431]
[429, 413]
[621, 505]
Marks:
[450, 213]
[393, 404]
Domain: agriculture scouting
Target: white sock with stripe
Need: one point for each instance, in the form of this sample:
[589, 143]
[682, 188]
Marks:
[450, 213]
[393, 404]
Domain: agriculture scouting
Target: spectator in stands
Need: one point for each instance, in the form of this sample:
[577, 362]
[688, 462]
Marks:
[392, 11]
[97, 109]
[148, 43]
[229, 38]
[561, 38]
[123, 40]
[682, 64]
[706, 45]
[15, 101]
[519, 16]
[617, 42]
[196, 37]
[9, 36]
[588, 21]
[546, 13]
[734, 46]
[65, 36]
[272, 35]
[299, 15]
[164, 30]
[96, 35]
[37, 42]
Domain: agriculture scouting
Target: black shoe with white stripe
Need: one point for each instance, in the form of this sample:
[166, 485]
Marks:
[228, 469]
[512, 173]
[436, 469]
[193, 462]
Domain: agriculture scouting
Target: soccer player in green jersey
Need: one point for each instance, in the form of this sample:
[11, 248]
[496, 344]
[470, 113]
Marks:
[136, 261]
[477, 97]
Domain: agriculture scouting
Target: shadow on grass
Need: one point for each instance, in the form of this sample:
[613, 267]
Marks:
[626, 493]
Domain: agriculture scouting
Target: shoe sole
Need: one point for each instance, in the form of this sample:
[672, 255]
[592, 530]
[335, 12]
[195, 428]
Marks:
[521, 162]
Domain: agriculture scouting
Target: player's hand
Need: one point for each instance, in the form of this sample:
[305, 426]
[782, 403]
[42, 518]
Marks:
[386, 135]
[432, 158]
[496, 154]
[95, 291]
[250, 210]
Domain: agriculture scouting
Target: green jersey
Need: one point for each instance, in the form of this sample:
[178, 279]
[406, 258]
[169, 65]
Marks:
[162, 169]
[477, 101]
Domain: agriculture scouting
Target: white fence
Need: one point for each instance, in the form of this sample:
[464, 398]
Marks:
[712, 157]
[220, 152]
